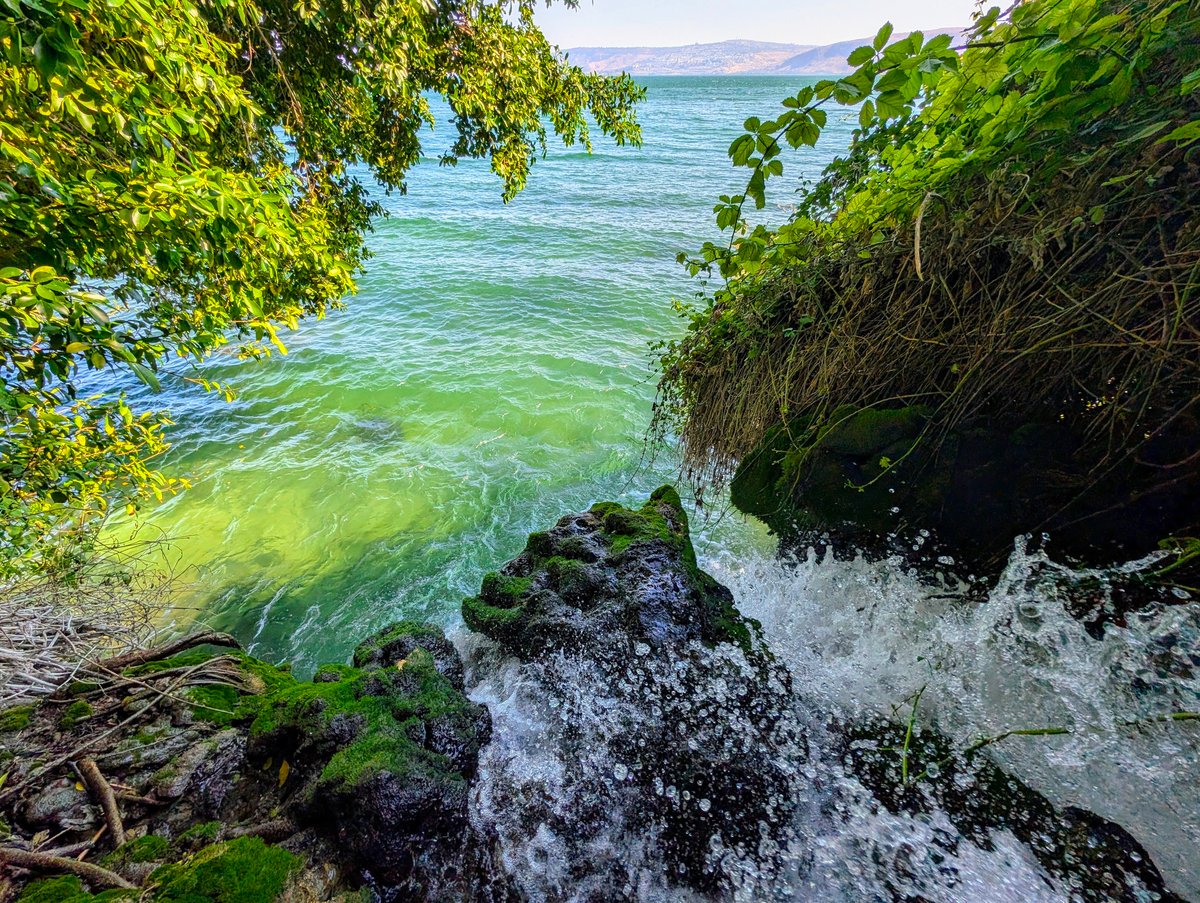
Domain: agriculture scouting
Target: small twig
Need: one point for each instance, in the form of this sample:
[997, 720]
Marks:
[41, 862]
[102, 793]
[62, 760]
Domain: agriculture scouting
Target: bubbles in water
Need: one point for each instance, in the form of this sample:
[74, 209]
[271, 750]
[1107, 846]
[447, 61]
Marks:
[579, 819]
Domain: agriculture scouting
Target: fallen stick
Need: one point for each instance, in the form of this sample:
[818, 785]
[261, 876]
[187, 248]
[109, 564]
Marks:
[141, 657]
[102, 793]
[41, 862]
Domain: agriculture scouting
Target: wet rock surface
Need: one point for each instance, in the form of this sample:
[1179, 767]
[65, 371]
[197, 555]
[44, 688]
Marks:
[652, 759]
[641, 754]
[917, 772]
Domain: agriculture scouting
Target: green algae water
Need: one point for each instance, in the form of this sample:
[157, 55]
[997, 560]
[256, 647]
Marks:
[492, 375]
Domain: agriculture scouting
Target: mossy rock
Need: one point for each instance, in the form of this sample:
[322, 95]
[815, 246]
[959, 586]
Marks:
[865, 477]
[397, 642]
[609, 577]
[245, 870]
[77, 712]
[69, 889]
[148, 848]
[197, 836]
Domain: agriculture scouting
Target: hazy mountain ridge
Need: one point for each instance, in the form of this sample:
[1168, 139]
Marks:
[727, 58]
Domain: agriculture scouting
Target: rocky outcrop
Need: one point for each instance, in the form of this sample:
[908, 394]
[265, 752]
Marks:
[917, 771]
[664, 717]
[239, 782]
[865, 475]
[605, 579]
[654, 734]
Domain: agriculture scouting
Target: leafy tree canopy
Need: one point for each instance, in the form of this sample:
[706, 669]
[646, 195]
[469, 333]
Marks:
[175, 175]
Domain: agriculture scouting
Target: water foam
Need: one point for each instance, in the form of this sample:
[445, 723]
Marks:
[560, 786]
[864, 637]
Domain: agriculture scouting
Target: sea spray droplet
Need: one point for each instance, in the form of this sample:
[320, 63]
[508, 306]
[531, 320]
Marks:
[705, 805]
[642, 649]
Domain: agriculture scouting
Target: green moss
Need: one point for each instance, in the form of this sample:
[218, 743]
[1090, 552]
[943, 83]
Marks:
[868, 432]
[369, 649]
[16, 718]
[220, 705]
[504, 591]
[661, 519]
[245, 870]
[150, 848]
[498, 605]
[188, 659]
[569, 577]
[80, 687]
[69, 889]
[200, 835]
[390, 706]
[487, 619]
[332, 673]
[539, 545]
[73, 714]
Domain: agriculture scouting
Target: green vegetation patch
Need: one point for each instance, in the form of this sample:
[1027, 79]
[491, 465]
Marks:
[370, 649]
[69, 889]
[73, 714]
[498, 606]
[624, 527]
[225, 705]
[388, 705]
[16, 718]
[150, 848]
[197, 836]
[245, 870]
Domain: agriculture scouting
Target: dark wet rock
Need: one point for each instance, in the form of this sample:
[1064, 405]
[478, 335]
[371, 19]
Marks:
[605, 580]
[864, 475]
[1098, 859]
[663, 714]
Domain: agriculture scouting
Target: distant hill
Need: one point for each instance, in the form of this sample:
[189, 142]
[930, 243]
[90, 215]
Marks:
[727, 58]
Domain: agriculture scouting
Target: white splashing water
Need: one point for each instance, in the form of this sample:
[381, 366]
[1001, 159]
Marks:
[559, 787]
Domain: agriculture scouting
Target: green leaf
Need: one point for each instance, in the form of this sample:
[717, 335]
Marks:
[866, 114]
[860, 55]
[146, 375]
[883, 35]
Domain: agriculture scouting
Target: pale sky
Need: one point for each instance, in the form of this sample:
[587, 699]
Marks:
[665, 23]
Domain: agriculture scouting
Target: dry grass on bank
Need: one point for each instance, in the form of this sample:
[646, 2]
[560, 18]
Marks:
[1075, 301]
[51, 627]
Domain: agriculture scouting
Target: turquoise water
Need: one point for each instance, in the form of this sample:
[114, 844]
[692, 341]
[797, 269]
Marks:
[492, 374]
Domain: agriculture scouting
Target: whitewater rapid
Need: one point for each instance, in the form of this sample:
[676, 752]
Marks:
[862, 637]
